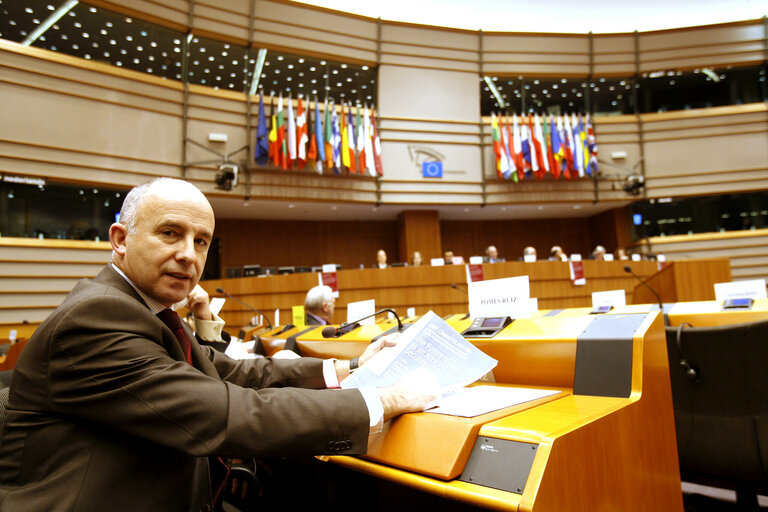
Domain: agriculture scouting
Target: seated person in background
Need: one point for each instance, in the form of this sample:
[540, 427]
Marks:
[557, 254]
[381, 259]
[416, 260]
[142, 405]
[448, 257]
[621, 254]
[319, 305]
[492, 255]
[529, 254]
[599, 253]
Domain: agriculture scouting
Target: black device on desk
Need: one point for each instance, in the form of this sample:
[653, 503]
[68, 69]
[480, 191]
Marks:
[740, 303]
[486, 326]
[603, 308]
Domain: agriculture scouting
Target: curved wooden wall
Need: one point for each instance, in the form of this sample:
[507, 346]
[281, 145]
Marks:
[36, 275]
[130, 125]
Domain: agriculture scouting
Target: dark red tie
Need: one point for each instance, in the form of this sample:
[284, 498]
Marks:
[172, 320]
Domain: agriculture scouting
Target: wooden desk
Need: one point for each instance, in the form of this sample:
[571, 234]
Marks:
[593, 451]
[424, 288]
[684, 280]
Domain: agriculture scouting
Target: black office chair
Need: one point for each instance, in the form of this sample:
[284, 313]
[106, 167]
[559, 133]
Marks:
[4, 394]
[719, 378]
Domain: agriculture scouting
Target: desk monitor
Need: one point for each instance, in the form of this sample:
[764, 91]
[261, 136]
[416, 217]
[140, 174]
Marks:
[738, 303]
[251, 270]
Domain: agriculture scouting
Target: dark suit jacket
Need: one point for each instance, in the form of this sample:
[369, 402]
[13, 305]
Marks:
[104, 414]
[311, 319]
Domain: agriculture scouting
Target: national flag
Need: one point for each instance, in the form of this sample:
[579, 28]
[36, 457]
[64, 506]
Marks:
[301, 136]
[291, 135]
[335, 139]
[592, 147]
[541, 149]
[376, 145]
[344, 138]
[351, 139]
[570, 169]
[319, 142]
[578, 147]
[584, 147]
[496, 136]
[557, 148]
[360, 142]
[529, 150]
[273, 151]
[547, 128]
[328, 136]
[282, 146]
[535, 162]
[517, 148]
[510, 151]
[370, 163]
[506, 159]
[312, 143]
[261, 151]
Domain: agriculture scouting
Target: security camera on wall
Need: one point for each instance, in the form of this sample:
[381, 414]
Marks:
[226, 178]
[634, 184]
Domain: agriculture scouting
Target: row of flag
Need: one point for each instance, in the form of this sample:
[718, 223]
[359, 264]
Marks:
[336, 141]
[536, 146]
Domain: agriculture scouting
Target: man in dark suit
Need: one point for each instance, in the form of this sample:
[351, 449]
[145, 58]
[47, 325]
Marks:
[112, 409]
[319, 305]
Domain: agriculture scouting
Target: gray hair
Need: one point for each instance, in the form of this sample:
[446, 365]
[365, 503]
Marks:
[130, 209]
[318, 296]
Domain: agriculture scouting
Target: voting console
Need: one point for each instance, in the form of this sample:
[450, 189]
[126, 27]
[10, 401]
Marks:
[604, 441]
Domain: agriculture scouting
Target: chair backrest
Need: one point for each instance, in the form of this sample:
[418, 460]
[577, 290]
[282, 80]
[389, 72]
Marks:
[13, 355]
[721, 407]
[4, 393]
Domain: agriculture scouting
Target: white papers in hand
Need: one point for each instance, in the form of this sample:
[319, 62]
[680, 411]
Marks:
[429, 343]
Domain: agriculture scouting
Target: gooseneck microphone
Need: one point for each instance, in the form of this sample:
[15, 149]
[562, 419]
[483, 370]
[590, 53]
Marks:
[330, 331]
[221, 291]
[462, 290]
[628, 270]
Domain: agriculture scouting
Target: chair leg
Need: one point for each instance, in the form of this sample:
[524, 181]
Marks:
[746, 497]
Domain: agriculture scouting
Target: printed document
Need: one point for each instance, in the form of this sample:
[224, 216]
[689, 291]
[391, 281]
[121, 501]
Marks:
[429, 343]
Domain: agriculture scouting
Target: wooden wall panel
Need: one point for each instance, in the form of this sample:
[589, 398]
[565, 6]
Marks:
[747, 250]
[284, 243]
[36, 275]
[470, 238]
[419, 230]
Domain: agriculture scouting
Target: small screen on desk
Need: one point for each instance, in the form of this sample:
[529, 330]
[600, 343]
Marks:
[492, 322]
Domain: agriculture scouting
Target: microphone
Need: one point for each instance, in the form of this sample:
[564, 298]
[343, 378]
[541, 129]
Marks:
[221, 291]
[462, 290]
[332, 332]
[628, 270]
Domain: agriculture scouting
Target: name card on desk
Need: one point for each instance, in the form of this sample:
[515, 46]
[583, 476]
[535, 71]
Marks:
[476, 260]
[500, 297]
[360, 309]
[529, 258]
[437, 262]
[298, 316]
[615, 298]
[752, 289]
